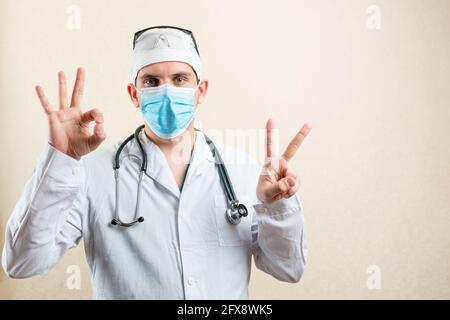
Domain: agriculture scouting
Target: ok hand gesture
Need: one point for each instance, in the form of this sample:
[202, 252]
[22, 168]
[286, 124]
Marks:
[69, 126]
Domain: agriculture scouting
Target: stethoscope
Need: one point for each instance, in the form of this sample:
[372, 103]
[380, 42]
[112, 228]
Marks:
[234, 212]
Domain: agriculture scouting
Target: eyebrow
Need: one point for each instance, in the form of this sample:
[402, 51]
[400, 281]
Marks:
[178, 74]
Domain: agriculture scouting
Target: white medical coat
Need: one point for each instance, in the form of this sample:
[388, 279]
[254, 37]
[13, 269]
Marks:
[185, 248]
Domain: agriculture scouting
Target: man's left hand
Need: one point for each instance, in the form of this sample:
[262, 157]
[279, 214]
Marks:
[277, 180]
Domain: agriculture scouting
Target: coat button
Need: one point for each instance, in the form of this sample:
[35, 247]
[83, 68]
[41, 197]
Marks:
[191, 281]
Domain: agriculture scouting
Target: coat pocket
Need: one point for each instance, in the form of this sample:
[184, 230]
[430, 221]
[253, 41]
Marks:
[229, 234]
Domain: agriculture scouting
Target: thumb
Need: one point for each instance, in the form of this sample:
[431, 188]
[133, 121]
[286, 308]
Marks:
[281, 186]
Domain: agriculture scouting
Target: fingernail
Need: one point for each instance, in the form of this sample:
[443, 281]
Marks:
[291, 182]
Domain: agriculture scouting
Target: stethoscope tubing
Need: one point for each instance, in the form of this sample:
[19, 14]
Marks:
[233, 214]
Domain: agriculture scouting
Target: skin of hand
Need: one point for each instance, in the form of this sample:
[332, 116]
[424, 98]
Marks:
[69, 126]
[277, 180]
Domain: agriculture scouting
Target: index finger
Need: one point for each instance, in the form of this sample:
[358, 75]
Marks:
[78, 88]
[295, 143]
[269, 128]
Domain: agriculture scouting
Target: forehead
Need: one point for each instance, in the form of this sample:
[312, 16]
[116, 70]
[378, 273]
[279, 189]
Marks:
[166, 68]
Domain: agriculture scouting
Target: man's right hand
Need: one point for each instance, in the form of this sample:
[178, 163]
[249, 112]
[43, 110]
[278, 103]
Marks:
[69, 127]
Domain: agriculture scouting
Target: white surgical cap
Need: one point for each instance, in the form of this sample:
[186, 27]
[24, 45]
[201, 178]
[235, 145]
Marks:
[164, 44]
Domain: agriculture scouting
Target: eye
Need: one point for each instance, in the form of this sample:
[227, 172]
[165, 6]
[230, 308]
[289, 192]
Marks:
[180, 80]
[150, 82]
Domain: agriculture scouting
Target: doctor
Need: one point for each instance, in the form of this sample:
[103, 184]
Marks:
[184, 247]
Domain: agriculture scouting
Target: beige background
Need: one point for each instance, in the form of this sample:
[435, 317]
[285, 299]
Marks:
[375, 170]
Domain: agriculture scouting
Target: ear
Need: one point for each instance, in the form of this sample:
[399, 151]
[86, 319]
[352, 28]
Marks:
[202, 90]
[132, 92]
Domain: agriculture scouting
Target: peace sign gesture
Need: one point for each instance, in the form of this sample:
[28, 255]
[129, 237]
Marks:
[277, 180]
[69, 126]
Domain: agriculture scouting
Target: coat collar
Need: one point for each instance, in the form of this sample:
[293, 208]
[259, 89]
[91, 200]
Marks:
[158, 168]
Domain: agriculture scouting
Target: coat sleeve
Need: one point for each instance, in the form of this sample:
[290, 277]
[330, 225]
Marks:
[47, 219]
[279, 247]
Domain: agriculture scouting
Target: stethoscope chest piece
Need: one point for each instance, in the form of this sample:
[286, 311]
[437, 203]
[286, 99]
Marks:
[235, 213]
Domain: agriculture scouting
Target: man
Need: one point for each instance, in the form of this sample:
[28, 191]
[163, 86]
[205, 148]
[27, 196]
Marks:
[181, 244]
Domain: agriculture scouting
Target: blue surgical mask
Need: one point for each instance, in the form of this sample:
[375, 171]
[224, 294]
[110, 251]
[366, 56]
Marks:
[168, 110]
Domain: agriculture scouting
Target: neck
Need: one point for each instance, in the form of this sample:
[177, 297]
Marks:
[176, 150]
